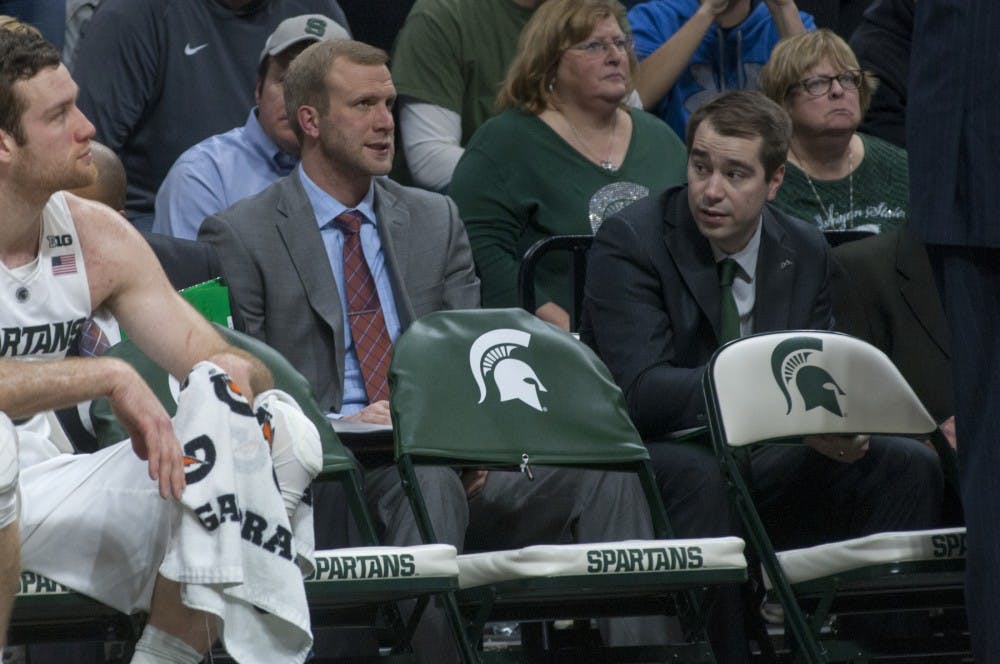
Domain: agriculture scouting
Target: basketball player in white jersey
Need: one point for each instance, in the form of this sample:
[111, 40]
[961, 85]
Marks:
[61, 257]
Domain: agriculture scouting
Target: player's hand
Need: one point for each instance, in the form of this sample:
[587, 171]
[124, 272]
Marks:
[376, 413]
[150, 429]
[845, 449]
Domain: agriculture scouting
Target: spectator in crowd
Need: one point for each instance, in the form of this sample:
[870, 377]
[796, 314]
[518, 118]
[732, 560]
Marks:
[287, 252]
[47, 16]
[78, 15]
[655, 314]
[565, 152]
[110, 185]
[376, 22]
[448, 63]
[841, 16]
[954, 147]
[836, 178]
[155, 78]
[691, 50]
[882, 44]
[222, 169]
[63, 258]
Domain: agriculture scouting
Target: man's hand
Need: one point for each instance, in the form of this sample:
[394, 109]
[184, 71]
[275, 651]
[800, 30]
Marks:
[150, 429]
[845, 449]
[948, 430]
[473, 479]
[376, 413]
[550, 312]
[716, 7]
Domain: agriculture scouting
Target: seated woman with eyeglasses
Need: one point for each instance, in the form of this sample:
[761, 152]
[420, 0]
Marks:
[835, 177]
[565, 152]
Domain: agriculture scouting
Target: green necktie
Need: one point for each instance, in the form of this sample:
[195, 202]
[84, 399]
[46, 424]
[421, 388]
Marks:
[729, 316]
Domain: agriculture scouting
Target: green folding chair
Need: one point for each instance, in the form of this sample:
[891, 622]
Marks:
[349, 587]
[503, 390]
[776, 388]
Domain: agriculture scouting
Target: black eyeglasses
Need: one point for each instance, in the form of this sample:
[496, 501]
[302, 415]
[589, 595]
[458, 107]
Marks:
[600, 47]
[817, 86]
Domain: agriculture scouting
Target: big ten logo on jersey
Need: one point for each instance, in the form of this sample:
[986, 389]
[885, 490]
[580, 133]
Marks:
[59, 240]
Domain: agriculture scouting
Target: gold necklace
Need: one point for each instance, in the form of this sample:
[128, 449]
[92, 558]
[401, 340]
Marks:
[605, 163]
[828, 211]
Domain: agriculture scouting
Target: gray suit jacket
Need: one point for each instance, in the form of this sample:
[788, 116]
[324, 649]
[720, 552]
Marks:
[651, 301]
[282, 283]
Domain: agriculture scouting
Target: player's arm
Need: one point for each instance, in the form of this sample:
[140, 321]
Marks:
[27, 388]
[126, 277]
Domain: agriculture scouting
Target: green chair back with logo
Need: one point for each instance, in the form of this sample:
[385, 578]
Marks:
[502, 389]
[332, 603]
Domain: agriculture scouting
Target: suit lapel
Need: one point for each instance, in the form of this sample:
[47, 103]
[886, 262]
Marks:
[300, 234]
[693, 256]
[775, 278]
[393, 230]
[916, 284]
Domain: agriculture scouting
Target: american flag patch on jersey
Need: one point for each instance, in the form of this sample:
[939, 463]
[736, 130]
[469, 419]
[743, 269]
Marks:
[64, 264]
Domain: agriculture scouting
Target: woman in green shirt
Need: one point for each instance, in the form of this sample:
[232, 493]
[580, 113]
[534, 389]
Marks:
[835, 177]
[565, 152]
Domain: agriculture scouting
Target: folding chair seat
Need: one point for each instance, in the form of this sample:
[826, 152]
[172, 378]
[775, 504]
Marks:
[776, 388]
[455, 403]
[48, 611]
[349, 587]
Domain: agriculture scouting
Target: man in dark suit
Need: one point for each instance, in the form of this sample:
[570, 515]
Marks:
[291, 272]
[654, 311]
[953, 139]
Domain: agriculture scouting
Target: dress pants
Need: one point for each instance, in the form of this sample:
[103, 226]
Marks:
[559, 506]
[803, 497]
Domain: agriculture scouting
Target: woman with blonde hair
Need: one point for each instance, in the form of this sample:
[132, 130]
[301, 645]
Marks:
[565, 152]
[835, 177]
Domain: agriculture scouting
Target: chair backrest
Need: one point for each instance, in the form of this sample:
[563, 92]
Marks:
[286, 378]
[577, 246]
[790, 384]
[491, 385]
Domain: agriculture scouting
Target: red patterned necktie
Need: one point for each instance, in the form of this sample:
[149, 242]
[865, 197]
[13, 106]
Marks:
[364, 311]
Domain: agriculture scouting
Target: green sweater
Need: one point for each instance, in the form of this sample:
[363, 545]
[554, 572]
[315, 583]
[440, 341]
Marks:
[881, 192]
[519, 182]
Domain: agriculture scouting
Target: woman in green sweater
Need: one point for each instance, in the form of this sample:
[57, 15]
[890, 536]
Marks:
[566, 151]
[835, 177]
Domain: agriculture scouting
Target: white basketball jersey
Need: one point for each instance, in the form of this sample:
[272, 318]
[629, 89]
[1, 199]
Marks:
[44, 303]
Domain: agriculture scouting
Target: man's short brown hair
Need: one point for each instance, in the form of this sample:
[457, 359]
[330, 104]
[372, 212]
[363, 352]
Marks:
[747, 114]
[23, 54]
[306, 78]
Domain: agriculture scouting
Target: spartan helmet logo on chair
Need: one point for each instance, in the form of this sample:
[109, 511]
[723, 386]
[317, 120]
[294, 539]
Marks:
[793, 361]
[491, 352]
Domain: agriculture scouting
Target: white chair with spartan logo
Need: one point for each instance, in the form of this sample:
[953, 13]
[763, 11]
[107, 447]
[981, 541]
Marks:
[776, 388]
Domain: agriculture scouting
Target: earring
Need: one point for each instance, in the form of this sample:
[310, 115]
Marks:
[552, 86]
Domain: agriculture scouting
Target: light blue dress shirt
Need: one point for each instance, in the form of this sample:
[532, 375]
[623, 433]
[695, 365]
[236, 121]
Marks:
[212, 175]
[327, 208]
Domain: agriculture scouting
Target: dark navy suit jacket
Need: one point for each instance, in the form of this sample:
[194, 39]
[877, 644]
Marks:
[651, 301]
